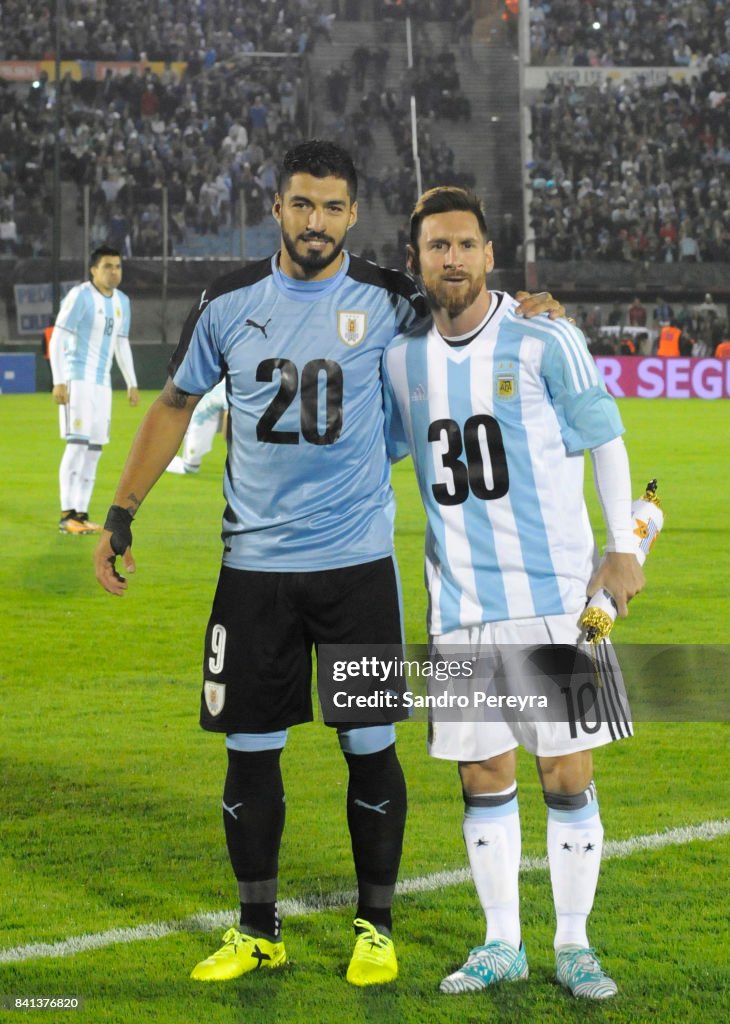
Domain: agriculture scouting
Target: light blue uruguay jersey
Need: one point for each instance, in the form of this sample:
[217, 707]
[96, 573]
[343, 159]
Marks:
[307, 478]
[497, 428]
[91, 326]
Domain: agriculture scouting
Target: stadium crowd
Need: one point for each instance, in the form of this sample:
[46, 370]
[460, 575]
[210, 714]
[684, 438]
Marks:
[698, 329]
[426, 10]
[631, 33]
[607, 186]
[200, 32]
[604, 183]
[434, 80]
[376, 109]
[209, 137]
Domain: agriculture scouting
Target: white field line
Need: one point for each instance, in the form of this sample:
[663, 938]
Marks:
[218, 920]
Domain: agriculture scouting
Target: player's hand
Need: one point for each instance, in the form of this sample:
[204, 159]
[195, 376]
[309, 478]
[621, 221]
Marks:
[116, 539]
[60, 394]
[621, 575]
[540, 302]
[105, 565]
[133, 396]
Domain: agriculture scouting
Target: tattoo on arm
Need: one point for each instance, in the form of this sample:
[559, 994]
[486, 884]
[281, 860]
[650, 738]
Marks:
[173, 396]
[133, 503]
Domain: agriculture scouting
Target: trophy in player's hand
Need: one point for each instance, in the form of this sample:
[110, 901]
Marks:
[600, 612]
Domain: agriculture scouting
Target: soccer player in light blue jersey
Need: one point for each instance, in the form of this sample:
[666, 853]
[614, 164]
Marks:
[307, 535]
[497, 412]
[91, 330]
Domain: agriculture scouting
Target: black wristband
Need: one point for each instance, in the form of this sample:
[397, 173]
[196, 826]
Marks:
[119, 524]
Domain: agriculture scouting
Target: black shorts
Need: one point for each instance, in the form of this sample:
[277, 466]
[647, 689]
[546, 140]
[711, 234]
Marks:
[257, 667]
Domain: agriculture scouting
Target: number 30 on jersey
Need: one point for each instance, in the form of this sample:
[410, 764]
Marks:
[483, 448]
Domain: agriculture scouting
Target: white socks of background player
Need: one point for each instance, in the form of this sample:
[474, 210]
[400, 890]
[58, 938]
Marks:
[494, 844]
[77, 475]
[70, 472]
[575, 842]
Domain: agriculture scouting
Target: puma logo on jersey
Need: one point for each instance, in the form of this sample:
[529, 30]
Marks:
[259, 327]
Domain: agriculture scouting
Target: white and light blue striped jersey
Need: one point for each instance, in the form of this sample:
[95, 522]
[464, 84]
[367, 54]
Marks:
[497, 428]
[211, 405]
[307, 479]
[93, 328]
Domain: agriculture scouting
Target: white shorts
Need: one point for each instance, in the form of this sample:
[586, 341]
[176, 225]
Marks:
[87, 415]
[199, 437]
[490, 715]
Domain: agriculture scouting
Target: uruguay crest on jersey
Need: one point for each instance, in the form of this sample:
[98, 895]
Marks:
[351, 327]
[215, 696]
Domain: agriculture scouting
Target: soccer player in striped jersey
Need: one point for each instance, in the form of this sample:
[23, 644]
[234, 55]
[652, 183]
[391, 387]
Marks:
[91, 330]
[497, 412]
[203, 427]
[307, 533]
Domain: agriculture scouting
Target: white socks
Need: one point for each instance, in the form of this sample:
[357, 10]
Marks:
[87, 479]
[70, 473]
[493, 842]
[575, 841]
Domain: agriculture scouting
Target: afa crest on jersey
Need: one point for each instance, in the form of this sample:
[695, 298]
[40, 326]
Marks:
[505, 386]
[351, 327]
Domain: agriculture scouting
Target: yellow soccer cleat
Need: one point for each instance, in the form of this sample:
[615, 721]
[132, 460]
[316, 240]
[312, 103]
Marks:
[238, 955]
[70, 524]
[373, 959]
[83, 518]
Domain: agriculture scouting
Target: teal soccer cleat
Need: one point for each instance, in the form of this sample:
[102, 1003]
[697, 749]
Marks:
[486, 965]
[577, 968]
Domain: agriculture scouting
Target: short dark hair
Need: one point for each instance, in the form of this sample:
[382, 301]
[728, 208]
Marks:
[99, 253]
[444, 199]
[321, 159]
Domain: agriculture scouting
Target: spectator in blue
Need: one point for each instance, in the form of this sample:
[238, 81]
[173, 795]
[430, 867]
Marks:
[257, 119]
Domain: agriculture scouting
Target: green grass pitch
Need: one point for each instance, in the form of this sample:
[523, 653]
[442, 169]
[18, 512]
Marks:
[110, 805]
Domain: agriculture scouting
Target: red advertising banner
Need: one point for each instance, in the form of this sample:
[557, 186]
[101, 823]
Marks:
[652, 377]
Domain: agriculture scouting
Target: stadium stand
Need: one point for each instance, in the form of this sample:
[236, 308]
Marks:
[606, 185]
[626, 168]
[211, 136]
[199, 33]
[611, 33]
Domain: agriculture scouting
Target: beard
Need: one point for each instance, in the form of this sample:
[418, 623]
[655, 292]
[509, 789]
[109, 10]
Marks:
[312, 262]
[452, 301]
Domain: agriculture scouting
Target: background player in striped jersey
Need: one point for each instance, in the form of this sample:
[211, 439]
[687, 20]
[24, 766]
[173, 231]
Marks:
[307, 534]
[204, 425]
[497, 412]
[92, 329]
